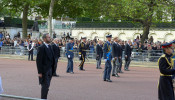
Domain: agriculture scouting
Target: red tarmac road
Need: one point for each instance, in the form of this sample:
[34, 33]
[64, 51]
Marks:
[20, 78]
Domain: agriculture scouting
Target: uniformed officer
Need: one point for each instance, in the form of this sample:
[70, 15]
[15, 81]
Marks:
[107, 58]
[70, 55]
[82, 53]
[165, 87]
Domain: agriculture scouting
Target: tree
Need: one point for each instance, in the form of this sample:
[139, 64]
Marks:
[143, 11]
[24, 7]
[50, 17]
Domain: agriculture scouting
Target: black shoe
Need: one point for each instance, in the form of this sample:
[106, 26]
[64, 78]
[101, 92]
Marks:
[55, 75]
[127, 70]
[99, 68]
[67, 72]
[117, 75]
[82, 69]
[104, 80]
[120, 72]
[108, 80]
[71, 72]
[113, 74]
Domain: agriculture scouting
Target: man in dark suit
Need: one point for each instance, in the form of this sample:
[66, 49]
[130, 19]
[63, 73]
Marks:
[116, 57]
[70, 55]
[30, 49]
[120, 54]
[56, 51]
[82, 53]
[45, 65]
[128, 50]
[99, 52]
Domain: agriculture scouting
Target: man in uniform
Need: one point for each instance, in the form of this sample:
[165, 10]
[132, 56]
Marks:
[56, 51]
[82, 53]
[99, 52]
[165, 87]
[107, 58]
[45, 64]
[116, 57]
[70, 55]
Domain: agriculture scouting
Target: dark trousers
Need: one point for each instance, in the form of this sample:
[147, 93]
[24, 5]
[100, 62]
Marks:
[127, 63]
[99, 62]
[120, 67]
[82, 62]
[165, 88]
[30, 55]
[107, 71]
[70, 65]
[45, 84]
[116, 65]
[56, 61]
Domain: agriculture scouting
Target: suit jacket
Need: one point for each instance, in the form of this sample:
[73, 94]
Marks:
[69, 50]
[45, 60]
[128, 50]
[121, 51]
[115, 50]
[56, 50]
[99, 50]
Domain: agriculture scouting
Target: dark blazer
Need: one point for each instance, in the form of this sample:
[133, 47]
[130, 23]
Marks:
[44, 60]
[115, 50]
[121, 51]
[128, 50]
[56, 50]
[99, 50]
[69, 50]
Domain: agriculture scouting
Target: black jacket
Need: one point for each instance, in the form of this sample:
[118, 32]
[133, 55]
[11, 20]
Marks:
[115, 50]
[99, 50]
[45, 60]
[56, 50]
[121, 51]
[128, 50]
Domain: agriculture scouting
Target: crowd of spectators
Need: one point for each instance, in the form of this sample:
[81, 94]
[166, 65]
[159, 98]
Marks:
[147, 46]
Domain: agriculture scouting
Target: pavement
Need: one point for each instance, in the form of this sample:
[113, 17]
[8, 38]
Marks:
[19, 78]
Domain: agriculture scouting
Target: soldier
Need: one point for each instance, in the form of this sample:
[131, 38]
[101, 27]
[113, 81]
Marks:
[82, 53]
[70, 55]
[30, 49]
[165, 87]
[116, 57]
[107, 58]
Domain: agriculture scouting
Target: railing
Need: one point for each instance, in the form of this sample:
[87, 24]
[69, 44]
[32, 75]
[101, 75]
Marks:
[144, 56]
[13, 97]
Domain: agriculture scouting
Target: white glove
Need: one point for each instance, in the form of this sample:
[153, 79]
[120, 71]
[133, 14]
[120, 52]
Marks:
[68, 56]
[79, 55]
[105, 60]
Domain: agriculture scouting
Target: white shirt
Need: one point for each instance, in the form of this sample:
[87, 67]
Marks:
[47, 45]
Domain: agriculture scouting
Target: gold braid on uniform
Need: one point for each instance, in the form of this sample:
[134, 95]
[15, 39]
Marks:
[170, 67]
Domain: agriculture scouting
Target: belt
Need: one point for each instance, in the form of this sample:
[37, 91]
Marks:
[165, 75]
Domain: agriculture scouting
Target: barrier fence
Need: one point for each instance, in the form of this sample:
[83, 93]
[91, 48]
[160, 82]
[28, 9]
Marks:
[144, 56]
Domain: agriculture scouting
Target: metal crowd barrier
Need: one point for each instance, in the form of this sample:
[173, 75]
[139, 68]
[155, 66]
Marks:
[144, 56]
[13, 97]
